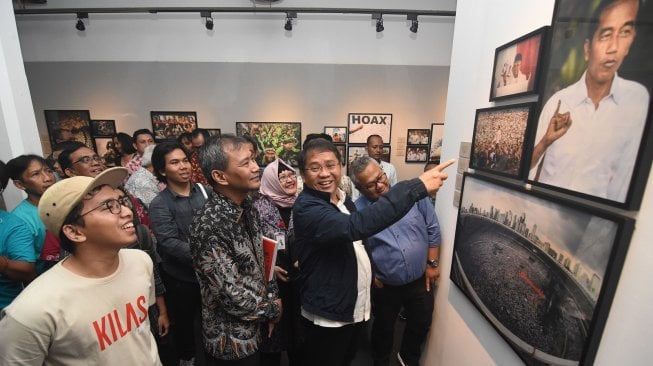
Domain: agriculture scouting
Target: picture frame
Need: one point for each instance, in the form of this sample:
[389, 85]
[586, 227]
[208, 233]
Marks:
[523, 55]
[362, 125]
[418, 136]
[499, 140]
[104, 146]
[338, 133]
[342, 149]
[355, 151]
[437, 132]
[417, 153]
[168, 126]
[103, 127]
[69, 125]
[603, 156]
[542, 269]
[214, 131]
[274, 140]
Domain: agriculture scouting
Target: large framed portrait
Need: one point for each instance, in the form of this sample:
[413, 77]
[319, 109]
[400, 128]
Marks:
[274, 140]
[542, 270]
[498, 141]
[517, 68]
[593, 135]
[417, 153]
[418, 136]
[338, 134]
[437, 132]
[362, 125]
[69, 125]
[103, 127]
[170, 125]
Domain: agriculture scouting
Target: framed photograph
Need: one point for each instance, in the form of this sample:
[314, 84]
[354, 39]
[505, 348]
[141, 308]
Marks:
[353, 152]
[498, 141]
[275, 140]
[601, 148]
[69, 125]
[418, 136]
[103, 127]
[437, 131]
[106, 150]
[338, 134]
[362, 125]
[214, 131]
[517, 67]
[542, 270]
[417, 153]
[169, 125]
[342, 149]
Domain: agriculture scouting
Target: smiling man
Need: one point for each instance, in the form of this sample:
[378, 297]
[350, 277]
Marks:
[78, 160]
[588, 133]
[226, 245]
[90, 308]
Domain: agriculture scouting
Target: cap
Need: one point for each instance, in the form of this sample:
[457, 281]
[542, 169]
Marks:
[58, 200]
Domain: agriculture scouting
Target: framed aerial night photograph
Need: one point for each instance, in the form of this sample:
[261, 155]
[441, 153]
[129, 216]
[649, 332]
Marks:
[598, 147]
[338, 134]
[170, 125]
[542, 270]
[275, 140]
[517, 67]
[362, 125]
[103, 127]
[69, 125]
[214, 131]
[437, 132]
[417, 136]
[417, 153]
[498, 141]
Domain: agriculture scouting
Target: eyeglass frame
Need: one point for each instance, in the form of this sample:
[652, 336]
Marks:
[287, 178]
[318, 168]
[95, 157]
[123, 201]
[380, 179]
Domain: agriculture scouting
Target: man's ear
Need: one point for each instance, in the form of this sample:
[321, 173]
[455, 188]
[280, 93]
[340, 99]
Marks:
[73, 233]
[586, 49]
[19, 184]
[69, 172]
[219, 177]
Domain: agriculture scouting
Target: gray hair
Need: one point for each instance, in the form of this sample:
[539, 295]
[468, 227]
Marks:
[358, 165]
[213, 154]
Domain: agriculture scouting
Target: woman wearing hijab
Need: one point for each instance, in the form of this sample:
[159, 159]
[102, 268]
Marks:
[277, 196]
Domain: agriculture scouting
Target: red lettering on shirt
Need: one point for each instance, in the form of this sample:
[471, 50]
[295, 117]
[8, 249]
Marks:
[131, 314]
[115, 319]
[101, 334]
[142, 306]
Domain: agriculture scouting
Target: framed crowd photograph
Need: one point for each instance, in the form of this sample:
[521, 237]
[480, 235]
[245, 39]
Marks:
[498, 141]
[418, 136]
[517, 67]
[437, 132]
[274, 139]
[338, 134]
[170, 125]
[214, 131]
[598, 148]
[103, 127]
[362, 125]
[542, 270]
[69, 125]
[105, 150]
[417, 153]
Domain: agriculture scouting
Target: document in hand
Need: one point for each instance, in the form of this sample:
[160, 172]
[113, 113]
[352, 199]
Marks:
[270, 248]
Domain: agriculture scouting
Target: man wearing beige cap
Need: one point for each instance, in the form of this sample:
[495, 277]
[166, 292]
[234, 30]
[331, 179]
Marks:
[90, 308]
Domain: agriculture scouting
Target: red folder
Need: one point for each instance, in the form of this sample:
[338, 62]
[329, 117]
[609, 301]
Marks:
[270, 248]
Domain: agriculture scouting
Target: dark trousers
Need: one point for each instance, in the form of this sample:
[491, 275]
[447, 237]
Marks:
[184, 307]
[331, 346]
[253, 360]
[386, 304]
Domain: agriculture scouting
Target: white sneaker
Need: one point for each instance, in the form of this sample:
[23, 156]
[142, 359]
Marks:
[401, 362]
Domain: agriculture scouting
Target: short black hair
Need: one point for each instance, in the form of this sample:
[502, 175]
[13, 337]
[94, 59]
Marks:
[319, 145]
[371, 137]
[159, 157]
[4, 176]
[126, 143]
[17, 166]
[201, 131]
[142, 131]
[64, 156]
[185, 135]
[313, 136]
[213, 154]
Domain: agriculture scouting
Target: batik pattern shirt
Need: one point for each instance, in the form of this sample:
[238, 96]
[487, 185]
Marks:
[227, 252]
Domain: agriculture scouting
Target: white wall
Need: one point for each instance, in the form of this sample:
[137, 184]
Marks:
[460, 334]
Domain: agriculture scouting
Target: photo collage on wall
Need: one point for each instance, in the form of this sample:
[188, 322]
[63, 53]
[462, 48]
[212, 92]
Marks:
[542, 236]
[417, 145]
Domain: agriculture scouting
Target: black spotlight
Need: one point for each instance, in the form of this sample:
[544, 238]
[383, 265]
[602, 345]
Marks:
[289, 17]
[80, 26]
[379, 25]
[413, 26]
[209, 20]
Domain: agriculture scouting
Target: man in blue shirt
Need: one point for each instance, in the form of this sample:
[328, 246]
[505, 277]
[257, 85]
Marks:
[405, 263]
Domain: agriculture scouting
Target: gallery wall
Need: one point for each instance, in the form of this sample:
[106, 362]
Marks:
[460, 335]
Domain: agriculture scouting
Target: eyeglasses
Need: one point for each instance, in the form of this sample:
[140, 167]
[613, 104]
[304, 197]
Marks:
[113, 205]
[318, 168]
[87, 159]
[287, 178]
[378, 180]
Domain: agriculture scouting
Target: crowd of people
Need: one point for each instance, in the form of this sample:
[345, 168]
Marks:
[143, 263]
[499, 140]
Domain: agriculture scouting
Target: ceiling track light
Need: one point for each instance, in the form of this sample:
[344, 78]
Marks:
[208, 19]
[289, 17]
[80, 26]
[379, 22]
[414, 23]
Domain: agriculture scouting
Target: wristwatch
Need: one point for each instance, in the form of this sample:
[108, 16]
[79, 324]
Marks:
[433, 263]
